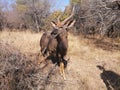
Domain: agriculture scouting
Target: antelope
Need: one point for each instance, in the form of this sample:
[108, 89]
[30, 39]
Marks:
[57, 40]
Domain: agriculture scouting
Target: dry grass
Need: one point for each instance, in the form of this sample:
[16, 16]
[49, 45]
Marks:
[24, 41]
[81, 72]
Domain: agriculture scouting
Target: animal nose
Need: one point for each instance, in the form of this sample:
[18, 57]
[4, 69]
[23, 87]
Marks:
[60, 27]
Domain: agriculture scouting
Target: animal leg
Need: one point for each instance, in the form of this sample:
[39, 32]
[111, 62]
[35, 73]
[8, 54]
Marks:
[60, 68]
[62, 72]
[40, 58]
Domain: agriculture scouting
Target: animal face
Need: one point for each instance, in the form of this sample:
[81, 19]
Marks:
[61, 26]
[61, 29]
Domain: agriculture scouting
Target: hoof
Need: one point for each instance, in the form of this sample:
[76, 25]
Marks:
[64, 77]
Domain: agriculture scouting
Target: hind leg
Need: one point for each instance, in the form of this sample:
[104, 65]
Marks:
[40, 58]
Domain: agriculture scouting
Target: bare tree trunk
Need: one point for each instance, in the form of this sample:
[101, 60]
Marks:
[35, 16]
[36, 22]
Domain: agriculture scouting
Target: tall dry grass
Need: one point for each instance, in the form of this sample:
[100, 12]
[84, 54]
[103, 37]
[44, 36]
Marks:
[24, 41]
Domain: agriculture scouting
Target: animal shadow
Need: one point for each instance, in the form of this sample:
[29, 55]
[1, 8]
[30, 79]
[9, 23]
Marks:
[110, 78]
[55, 60]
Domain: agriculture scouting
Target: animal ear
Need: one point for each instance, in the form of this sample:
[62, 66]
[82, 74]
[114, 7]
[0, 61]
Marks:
[71, 23]
[54, 24]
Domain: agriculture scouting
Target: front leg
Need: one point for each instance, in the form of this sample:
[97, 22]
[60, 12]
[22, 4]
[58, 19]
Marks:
[62, 70]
